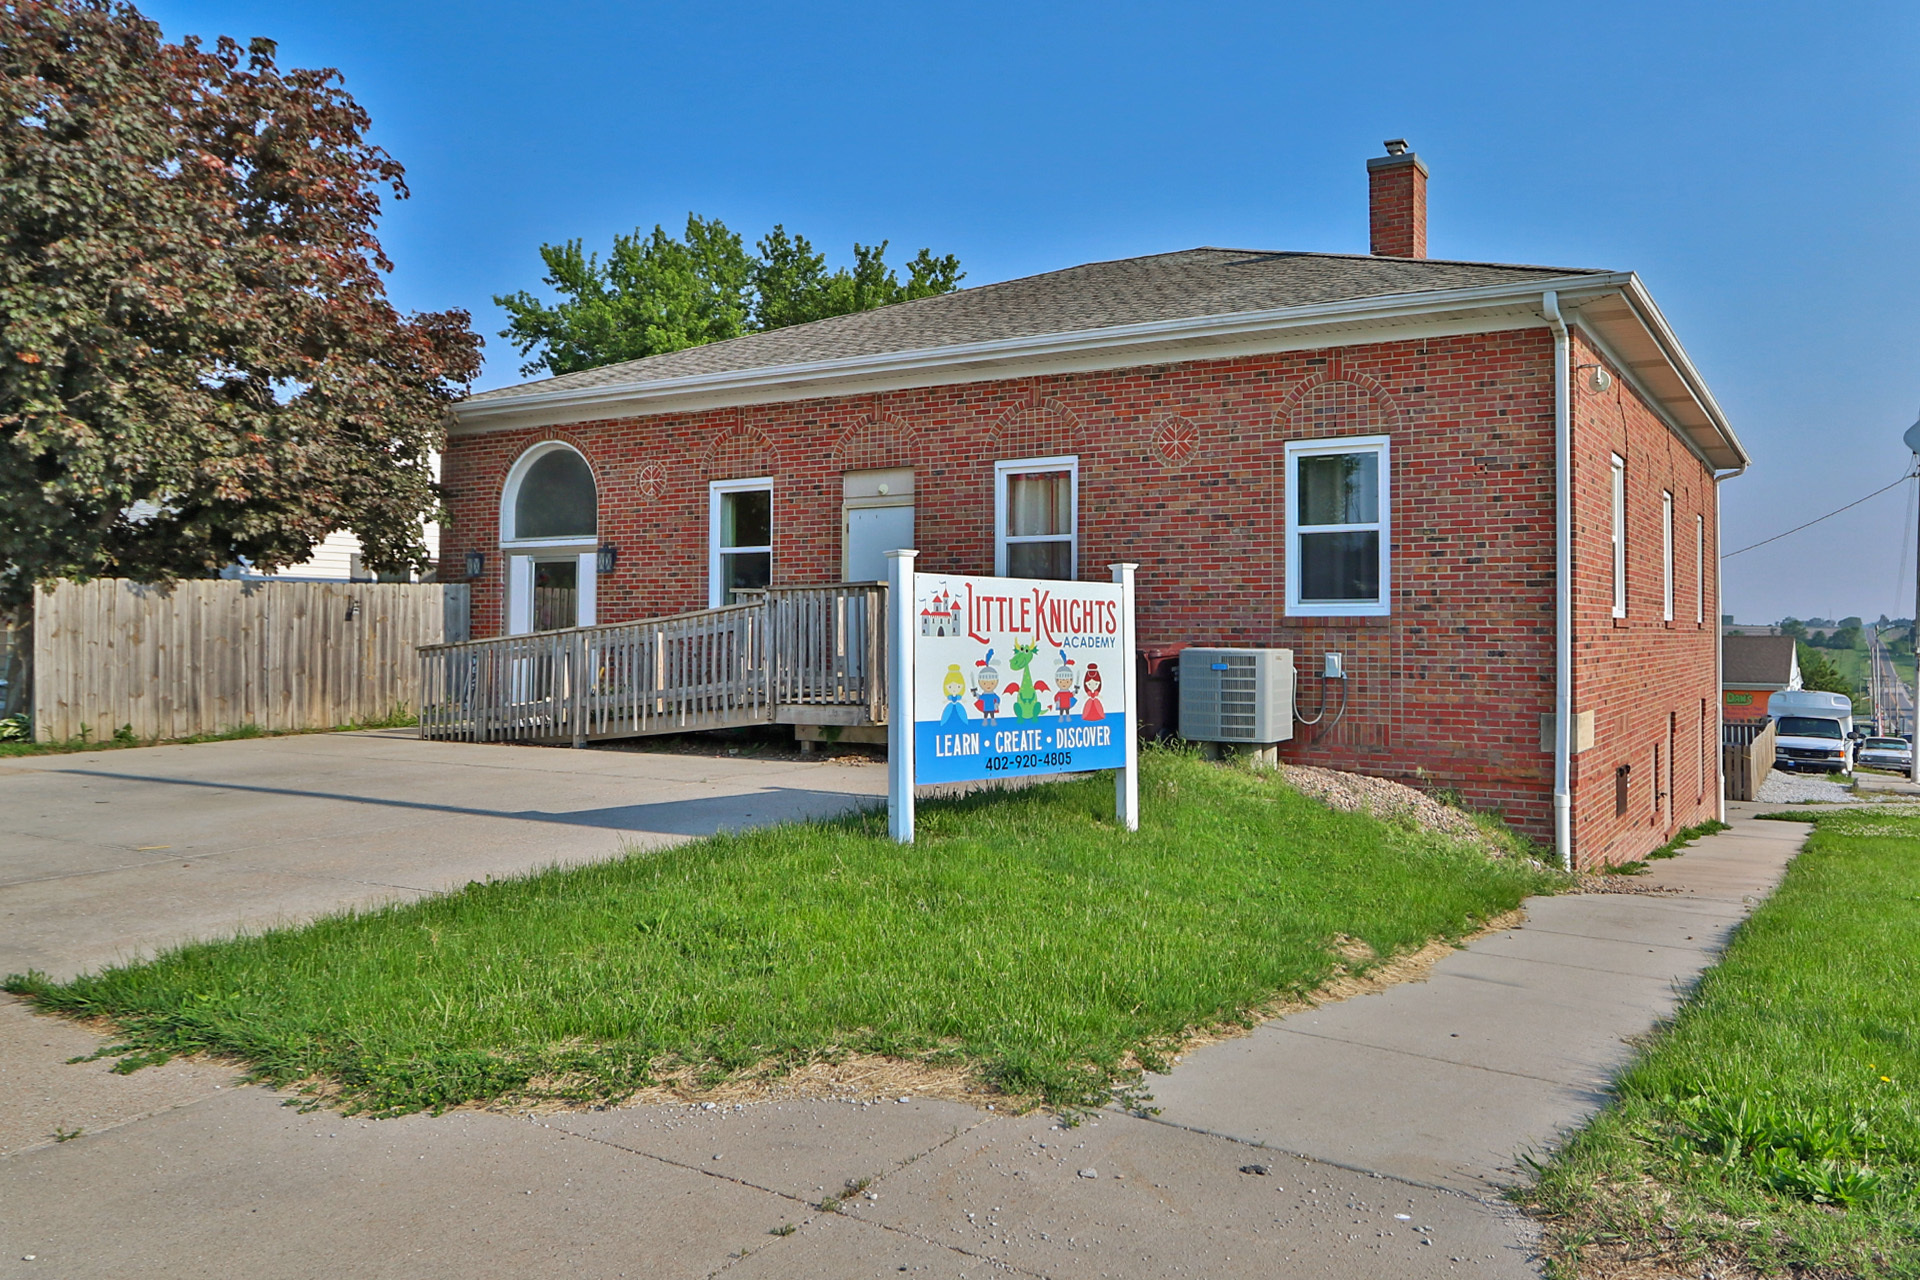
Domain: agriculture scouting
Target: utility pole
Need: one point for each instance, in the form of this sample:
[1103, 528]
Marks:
[1912, 439]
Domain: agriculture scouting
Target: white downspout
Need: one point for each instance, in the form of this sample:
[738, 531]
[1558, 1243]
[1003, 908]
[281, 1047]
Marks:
[1562, 584]
[1719, 653]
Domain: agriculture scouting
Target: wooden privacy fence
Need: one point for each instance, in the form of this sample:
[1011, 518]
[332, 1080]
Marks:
[207, 656]
[806, 655]
[1746, 756]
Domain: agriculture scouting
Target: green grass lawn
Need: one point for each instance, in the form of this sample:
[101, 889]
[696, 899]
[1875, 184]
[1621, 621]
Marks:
[1777, 1120]
[1025, 935]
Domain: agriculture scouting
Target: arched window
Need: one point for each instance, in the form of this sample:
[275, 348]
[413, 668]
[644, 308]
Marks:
[551, 496]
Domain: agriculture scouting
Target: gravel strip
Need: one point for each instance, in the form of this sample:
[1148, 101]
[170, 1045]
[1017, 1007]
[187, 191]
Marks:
[1782, 787]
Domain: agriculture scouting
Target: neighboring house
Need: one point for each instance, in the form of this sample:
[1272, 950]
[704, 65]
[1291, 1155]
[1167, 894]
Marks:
[336, 559]
[1751, 667]
[1328, 452]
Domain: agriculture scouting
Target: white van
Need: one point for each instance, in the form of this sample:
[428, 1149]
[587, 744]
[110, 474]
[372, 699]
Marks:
[1815, 730]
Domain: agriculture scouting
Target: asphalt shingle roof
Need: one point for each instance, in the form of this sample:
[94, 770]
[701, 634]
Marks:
[1164, 286]
[1759, 660]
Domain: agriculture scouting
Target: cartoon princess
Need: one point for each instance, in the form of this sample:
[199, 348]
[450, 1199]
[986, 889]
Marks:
[986, 689]
[1090, 685]
[954, 686]
[1063, 695]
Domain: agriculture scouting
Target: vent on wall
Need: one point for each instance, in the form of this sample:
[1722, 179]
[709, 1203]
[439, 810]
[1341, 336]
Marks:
[1236, 695]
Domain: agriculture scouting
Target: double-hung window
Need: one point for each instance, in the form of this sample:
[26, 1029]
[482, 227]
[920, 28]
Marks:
[1700, 570]
[1666, 556]
[739, 539]
[1338, 535]
[1036, 518]
[1619, 536]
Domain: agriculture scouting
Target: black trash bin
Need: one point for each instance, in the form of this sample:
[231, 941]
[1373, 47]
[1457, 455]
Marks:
[1156, 669]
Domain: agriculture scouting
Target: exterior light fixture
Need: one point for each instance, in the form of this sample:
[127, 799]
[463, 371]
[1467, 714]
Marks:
[609, 554]
[476, 563]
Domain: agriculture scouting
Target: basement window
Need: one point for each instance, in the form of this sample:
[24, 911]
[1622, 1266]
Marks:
[1338, 535]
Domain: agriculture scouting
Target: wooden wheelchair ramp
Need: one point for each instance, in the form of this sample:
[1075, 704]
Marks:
[794, 655]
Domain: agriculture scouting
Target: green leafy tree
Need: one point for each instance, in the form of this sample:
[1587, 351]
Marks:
[198, 361]
[1818, 672]
[655, 294]
[652, 294]
[1791, 626]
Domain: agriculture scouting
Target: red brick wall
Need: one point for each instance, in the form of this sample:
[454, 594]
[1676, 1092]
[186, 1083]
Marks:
[1182, 470]
[1640, 675]
[1397, 209]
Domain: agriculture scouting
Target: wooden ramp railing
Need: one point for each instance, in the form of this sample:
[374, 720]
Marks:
[804, 655]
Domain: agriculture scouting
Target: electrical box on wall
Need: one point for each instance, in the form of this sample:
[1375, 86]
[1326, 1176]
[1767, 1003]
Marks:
[1236, 695]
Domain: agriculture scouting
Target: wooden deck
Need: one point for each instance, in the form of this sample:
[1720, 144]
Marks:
[796, 655]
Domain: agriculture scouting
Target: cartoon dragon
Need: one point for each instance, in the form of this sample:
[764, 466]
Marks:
[1026, 701]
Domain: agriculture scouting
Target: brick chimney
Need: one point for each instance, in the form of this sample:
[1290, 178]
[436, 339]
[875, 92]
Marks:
[1397, 199]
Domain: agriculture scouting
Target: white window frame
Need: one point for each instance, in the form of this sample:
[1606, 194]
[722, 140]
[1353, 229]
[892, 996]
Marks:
[1666, 555]
[510, 497]
[1699, 569]
[1618, 503]
[1069, 463]
[716, 586]
[1298, 449]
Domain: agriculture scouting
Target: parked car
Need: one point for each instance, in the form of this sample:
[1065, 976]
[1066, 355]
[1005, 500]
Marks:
[1886, 753]
[1814, 730]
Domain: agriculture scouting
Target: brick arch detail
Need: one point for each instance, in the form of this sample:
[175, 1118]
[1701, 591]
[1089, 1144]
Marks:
[876, 441]
[1036, 429]
[1336, 403]
[738, 451]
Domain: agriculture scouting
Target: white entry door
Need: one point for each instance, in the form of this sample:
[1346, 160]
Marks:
[871, 533]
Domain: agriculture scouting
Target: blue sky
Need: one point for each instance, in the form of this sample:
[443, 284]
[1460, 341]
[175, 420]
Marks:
[1758, 164]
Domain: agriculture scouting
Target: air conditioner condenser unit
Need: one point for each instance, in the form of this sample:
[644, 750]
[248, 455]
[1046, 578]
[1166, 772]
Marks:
[1236, 695]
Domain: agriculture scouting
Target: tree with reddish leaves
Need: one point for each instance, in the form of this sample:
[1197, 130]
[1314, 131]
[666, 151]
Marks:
[198, 360]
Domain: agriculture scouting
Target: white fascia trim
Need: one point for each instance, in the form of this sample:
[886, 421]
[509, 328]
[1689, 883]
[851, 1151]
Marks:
[1655, 321]
[1590, 330]
[1116, 345]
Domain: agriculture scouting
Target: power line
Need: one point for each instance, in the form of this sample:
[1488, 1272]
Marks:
[1816, 520]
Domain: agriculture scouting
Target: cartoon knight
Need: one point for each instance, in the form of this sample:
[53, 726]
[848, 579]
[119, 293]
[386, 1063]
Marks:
[1063, 695]
[986, 689]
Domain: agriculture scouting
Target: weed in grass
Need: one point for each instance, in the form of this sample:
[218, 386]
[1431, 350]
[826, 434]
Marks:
[1686, 836]
[1024, 934]
[16, 735]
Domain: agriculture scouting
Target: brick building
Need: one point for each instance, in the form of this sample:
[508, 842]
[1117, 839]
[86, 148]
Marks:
[1161, 410]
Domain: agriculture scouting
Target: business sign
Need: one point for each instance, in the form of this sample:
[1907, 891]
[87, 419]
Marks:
[1006, 678]
[1016, 676]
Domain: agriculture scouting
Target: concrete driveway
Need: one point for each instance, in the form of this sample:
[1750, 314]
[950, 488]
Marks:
[108, 855]
[1355, 1140]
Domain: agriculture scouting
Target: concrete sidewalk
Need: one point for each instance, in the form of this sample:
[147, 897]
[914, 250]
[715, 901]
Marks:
[1509, 1043]
[1382, 1124]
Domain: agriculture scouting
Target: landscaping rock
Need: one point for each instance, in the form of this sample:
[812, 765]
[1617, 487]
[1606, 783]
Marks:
[1355, 793]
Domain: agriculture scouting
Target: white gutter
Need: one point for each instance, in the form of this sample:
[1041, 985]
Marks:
[1720, 655]
[1562, 583]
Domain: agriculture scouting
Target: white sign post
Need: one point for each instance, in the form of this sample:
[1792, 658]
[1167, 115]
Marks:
[1008, 677]
[900, 627]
